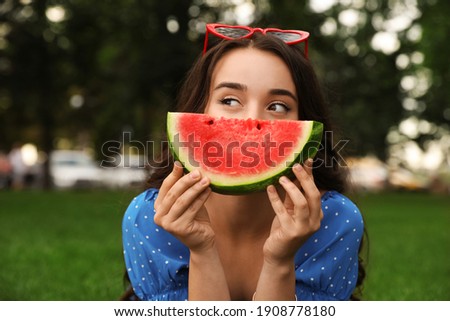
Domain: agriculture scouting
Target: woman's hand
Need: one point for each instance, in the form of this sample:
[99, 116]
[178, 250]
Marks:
[297, 217]
[180, 210]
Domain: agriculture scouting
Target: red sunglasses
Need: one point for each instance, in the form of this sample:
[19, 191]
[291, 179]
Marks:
[290, 37]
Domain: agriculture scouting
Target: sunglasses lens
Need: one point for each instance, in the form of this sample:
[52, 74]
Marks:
[234, 33]
[285, 36]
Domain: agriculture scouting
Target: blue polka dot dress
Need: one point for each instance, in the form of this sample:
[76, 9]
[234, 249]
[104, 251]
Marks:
[326, 266]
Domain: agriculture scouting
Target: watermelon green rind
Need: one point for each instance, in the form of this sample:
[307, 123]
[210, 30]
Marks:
[311, 145]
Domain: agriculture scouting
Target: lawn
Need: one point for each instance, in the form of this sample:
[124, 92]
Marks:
[409, 246]
[61, 245]
[67, 245]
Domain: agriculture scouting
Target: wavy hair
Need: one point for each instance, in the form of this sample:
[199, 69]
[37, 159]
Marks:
[194, 93]
[329, 173]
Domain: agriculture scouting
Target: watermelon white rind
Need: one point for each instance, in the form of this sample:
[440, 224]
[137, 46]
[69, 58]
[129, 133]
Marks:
[241, 156]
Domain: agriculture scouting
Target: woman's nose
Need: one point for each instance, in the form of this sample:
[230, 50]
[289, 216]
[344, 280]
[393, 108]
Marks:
[255, 111]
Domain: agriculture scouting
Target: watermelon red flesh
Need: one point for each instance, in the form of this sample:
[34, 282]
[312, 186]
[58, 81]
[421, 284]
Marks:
[240, 155]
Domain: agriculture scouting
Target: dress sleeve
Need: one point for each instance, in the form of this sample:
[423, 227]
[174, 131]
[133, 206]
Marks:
[156, 262]
[327, 264]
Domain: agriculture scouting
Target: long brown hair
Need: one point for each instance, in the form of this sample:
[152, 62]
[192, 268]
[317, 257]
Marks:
[194, 93]
[329, 174]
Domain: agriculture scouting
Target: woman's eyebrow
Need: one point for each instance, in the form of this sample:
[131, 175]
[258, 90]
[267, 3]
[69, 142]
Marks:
[283, 92]
[232, 85]
[242, 87]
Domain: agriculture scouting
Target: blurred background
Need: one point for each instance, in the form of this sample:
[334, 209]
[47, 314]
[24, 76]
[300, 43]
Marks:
[84, 91]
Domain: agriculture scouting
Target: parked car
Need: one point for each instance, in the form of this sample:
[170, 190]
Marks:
[72, 169]
[368, 173]
[127, 171]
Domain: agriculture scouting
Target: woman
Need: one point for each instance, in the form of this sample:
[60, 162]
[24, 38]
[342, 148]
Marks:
[297, 240]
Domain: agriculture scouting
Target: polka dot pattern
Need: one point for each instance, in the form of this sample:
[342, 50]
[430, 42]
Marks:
[326, 266]
[155, 260]
[330, 256]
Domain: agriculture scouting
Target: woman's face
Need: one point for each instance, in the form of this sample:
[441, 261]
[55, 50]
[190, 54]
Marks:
[251, 83]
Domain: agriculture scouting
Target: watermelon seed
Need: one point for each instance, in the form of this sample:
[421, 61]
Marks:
[210, 122]
[258, 126]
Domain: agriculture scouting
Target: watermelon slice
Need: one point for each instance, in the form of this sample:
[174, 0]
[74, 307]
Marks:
[241, 155]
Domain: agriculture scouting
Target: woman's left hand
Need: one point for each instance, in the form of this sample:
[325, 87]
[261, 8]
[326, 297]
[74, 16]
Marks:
[297, 217]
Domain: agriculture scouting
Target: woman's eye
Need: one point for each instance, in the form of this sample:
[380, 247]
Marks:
[229, 101]
[278, 108]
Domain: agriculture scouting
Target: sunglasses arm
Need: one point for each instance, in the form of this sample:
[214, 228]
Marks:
[205, 43]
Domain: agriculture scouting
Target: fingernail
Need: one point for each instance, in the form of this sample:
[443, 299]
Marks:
[204, 181]
[195, 174]
[283, 179]
[177, 164]
[297, 167]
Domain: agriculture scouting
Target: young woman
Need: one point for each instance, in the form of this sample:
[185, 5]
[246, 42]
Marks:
[298, 240]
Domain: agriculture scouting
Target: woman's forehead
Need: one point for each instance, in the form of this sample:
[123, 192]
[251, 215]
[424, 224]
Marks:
[253, 66]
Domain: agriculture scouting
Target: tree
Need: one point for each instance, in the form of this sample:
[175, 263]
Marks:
[82, 72]
[33, 79]
[77, 69]
[359, 48]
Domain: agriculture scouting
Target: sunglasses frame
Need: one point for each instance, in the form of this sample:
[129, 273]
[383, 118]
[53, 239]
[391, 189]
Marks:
[211, 29]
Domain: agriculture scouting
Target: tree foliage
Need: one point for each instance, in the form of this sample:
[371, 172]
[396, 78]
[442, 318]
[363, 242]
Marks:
[88, 71]
[363, 82]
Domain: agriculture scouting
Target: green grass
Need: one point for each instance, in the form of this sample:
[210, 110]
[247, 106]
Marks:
[61, 245]
[67, 245]
[409, 246]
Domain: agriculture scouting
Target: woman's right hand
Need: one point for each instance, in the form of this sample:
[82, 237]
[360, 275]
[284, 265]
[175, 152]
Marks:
[180, 210]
